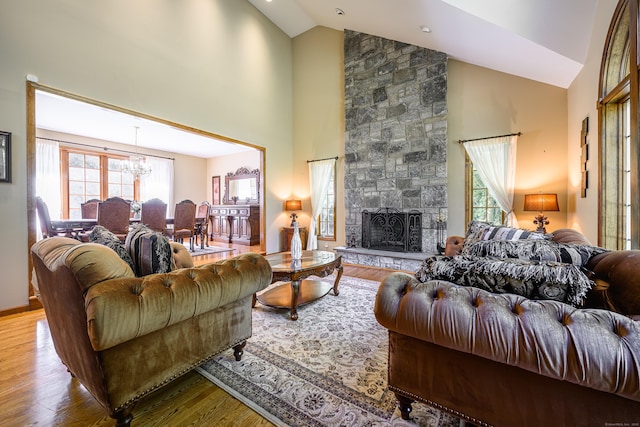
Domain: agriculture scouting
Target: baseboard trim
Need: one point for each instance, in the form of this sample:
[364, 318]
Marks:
[34, 304]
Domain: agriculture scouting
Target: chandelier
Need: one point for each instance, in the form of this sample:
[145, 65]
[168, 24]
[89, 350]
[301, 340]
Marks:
[136, 165]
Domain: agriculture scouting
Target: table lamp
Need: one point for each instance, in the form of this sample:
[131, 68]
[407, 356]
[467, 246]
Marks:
[293, 205]
[541, 202]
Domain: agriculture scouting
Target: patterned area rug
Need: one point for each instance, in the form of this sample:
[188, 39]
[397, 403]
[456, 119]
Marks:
[328, 368]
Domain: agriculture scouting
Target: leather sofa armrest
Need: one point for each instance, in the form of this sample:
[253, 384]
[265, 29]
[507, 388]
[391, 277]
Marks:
[119, 310]
[617, 278]
[594, 348]
[569, 235]
[453, 245]
[389, 295]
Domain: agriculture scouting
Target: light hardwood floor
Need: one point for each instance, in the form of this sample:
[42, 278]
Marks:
[36, 389]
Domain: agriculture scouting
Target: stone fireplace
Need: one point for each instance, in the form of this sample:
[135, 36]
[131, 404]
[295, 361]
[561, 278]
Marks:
[395, 134]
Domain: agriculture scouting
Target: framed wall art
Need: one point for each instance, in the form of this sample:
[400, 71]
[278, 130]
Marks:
[5, 156]
[215, 186]
[584, 157]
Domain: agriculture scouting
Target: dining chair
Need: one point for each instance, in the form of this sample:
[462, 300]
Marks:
[203, 224]
[154, 215]
[45, 220]
[113, 214]
[89, 209]
[184, 222]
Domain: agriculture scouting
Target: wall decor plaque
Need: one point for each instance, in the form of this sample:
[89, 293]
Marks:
[5, 156]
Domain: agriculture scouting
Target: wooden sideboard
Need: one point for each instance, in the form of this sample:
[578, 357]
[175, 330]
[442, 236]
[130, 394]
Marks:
[235, 224]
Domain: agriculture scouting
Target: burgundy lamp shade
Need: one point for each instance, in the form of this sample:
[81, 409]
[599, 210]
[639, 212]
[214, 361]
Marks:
[541, 202]
[293, 205]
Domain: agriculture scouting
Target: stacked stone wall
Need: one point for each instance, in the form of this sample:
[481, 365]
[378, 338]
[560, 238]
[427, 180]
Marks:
[396, 131]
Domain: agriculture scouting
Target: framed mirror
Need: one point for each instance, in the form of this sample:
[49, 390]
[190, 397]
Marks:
[242, 186]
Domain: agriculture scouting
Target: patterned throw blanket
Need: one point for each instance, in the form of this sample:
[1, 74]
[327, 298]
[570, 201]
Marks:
[564, 282]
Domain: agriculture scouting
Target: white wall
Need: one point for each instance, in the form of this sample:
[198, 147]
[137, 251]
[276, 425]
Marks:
[485, 103]
[318, 119]
[219, 66]
[582, 101]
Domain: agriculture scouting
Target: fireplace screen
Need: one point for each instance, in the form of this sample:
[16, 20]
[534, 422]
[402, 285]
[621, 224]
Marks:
[388, 229]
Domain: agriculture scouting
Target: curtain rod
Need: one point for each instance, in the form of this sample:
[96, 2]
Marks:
[104, 148]
[319, 160]
[460, 141]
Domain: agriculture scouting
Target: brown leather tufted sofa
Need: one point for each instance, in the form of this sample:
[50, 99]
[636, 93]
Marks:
[123, 336]
[505, 360]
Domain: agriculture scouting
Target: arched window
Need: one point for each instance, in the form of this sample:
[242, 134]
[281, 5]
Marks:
[619, 214]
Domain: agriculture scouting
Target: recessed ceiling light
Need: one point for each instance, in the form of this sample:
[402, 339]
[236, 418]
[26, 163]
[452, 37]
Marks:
[425, 29]
[339, 11]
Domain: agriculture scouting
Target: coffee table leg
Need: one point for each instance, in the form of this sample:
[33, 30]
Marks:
[295, 291]
[335, 284]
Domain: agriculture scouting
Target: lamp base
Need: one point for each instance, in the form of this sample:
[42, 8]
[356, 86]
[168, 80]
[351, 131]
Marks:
[293, 217]
[541, 221]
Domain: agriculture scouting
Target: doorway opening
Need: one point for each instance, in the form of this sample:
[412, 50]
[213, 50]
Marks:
[200, 137]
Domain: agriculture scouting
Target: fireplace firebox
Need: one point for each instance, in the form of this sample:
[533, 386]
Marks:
[388, 229]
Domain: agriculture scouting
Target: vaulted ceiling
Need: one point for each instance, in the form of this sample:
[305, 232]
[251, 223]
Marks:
[542, 40]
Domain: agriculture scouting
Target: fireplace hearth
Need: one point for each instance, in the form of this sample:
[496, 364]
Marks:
[388, 229]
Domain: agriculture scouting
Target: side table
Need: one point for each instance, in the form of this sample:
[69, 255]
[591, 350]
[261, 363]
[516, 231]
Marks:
[287, 234]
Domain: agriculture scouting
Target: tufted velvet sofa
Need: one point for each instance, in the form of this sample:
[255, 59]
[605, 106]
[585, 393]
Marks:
[123, 336]
[505, 360]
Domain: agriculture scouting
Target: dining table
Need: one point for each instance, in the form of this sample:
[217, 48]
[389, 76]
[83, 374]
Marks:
[73, 227]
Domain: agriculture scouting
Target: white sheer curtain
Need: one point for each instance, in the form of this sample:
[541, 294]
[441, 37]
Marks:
[159, 183]
[319, 176]
[495, 160]
[48, 176]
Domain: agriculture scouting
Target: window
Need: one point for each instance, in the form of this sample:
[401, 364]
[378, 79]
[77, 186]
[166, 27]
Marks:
[480, 205]
[626, 173]
[619, 212]
[327, 217]
[120, 184]
[89, 175]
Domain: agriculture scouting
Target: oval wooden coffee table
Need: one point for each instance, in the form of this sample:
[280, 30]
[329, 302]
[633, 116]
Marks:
[299, 291]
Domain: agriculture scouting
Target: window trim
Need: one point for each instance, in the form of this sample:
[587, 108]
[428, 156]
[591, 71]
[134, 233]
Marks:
[104, 171]
[468, 191]
[335, 199]
[619, 55]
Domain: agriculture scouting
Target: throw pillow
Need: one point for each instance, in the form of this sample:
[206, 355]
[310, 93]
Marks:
[509, 233]
[533, 250]
[530, 279]
[150, 251]
[103, 236]
[474, 226]
[475, 231]
[181, 256]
